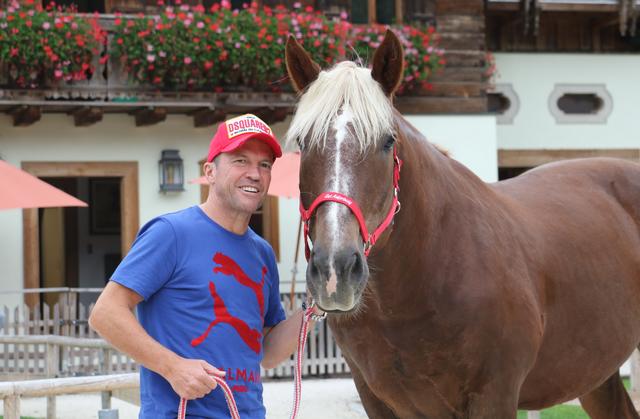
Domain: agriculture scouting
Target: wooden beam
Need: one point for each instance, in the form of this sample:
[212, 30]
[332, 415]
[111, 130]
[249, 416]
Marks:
[453, 89]
[417, 105]
[399, 5]
[23, 116]
[271, 115]
[533, 158]
[87, 116]
[150, 116]
[208, 117]
[371, 11]
[460, 6]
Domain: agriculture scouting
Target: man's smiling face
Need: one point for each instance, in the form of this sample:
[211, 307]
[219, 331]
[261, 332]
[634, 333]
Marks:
[242, 177]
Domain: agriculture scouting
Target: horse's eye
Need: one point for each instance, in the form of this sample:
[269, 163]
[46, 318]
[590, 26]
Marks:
[299, 142]
[389, 142]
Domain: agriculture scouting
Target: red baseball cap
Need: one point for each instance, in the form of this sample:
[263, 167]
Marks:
[234, 132]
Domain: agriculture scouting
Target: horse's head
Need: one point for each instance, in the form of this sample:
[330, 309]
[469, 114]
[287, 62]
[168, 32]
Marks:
[344, 125]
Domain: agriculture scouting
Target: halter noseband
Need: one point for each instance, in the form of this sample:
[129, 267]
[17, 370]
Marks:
[369, 239]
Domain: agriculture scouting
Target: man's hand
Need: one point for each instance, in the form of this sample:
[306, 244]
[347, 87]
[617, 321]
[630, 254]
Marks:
[192, 378]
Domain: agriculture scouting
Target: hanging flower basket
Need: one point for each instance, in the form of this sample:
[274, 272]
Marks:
[220, 49]
[41, 47]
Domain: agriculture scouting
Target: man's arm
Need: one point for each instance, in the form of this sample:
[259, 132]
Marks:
[281, 340]
[112, 317]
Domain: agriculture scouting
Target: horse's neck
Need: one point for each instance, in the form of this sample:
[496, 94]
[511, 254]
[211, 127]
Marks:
[437, 194]
[434, 183]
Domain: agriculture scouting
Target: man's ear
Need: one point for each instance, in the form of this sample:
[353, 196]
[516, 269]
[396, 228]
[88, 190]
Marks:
[209, 169]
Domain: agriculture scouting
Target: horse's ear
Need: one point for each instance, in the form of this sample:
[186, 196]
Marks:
[301, 68]
[388, 63]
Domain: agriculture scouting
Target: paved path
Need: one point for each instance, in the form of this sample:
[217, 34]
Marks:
[321, 399]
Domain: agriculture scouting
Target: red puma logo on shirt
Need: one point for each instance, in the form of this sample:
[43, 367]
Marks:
[249, 336]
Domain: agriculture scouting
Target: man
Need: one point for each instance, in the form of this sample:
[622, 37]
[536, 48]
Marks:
[206, 289]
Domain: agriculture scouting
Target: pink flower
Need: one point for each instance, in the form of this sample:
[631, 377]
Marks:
[151, 58]
[46, 26]
[200, 25]
[187, 60]
[58, 74]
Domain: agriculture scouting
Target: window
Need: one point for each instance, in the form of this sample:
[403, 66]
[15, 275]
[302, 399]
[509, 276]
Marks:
[498, 103]
[503, 101]
[83, 6]
[580, 103]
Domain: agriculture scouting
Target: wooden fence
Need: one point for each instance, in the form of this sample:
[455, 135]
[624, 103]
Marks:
[68, 318]
[11, 393]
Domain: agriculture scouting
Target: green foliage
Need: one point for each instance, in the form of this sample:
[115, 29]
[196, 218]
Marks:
[39, 45]
[559, 412]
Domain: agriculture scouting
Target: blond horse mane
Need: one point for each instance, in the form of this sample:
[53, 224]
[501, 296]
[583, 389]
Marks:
[346, 84]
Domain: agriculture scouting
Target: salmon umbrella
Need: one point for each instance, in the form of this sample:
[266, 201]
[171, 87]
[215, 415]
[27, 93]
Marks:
[284, 176]
[19, 189]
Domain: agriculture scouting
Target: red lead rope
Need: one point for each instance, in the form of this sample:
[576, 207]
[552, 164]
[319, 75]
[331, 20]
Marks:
[297, 390]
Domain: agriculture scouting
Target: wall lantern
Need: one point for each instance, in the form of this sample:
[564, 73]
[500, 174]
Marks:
[171, 171]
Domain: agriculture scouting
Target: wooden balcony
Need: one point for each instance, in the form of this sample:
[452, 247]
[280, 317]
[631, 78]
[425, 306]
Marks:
[459, 88]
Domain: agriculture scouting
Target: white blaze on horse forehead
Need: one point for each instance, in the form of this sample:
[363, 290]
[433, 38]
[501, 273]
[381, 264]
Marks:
[341, 176]
[340, 181]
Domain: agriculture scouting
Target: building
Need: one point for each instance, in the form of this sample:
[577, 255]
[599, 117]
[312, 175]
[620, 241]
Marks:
[564, 84]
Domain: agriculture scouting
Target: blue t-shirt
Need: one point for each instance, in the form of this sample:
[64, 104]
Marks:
[208, 293]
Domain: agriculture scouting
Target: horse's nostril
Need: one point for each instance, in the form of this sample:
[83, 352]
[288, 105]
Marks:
[353, 265]
[358, 267]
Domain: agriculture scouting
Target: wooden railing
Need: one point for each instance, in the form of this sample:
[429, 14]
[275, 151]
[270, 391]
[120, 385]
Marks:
[13, 391]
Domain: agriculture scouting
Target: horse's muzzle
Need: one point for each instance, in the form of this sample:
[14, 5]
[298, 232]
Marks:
[336, 280]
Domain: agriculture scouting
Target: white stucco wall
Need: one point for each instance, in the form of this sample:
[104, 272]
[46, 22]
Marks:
[534, 76]
[470, 139]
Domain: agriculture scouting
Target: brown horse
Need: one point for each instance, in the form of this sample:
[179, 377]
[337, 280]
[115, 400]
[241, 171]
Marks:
[478, 299]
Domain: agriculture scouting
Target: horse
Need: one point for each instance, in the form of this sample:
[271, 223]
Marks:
[468, 299]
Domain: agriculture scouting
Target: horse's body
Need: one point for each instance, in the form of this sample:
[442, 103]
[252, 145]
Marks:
[484, 297]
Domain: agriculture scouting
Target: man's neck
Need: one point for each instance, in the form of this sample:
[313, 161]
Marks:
[235, 223]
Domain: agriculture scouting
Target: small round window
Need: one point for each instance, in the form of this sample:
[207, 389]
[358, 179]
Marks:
[503, 102]
[498, 103]
[580, 103]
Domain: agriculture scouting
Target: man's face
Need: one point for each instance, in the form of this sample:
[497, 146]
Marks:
[242, 177]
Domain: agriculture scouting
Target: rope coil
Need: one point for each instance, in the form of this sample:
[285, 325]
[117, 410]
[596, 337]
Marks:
[297, 389]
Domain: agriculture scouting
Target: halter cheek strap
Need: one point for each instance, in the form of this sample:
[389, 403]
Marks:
[369, 239]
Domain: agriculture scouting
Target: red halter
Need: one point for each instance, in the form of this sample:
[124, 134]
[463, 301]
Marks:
[369, 239]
